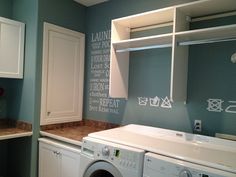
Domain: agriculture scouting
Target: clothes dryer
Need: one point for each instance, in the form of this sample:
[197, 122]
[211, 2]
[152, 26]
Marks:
[156, 165]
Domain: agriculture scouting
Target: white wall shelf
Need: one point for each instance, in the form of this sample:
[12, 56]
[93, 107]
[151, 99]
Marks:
[146, 19]
[180, 16]
[157, 41]
[213, 34]
[206, 7]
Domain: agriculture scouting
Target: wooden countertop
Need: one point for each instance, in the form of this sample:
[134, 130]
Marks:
[74, 134]
[14, 129]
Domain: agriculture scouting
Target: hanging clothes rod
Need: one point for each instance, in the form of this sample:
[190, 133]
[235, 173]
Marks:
[205, 41]
[143, 48]
[151, 27]
[210, 17]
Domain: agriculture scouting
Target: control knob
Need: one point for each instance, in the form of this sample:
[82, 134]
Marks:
[185, 173]
[105, 151]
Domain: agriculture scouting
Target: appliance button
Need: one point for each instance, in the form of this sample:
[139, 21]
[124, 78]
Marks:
[185, 173]
[105, 151]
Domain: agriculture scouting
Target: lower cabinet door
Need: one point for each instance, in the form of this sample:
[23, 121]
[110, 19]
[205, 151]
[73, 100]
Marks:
[48, 161]
[70, 162]
[58, 159]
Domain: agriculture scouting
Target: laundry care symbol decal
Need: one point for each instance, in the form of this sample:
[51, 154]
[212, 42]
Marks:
[216, 105]
[155, 102]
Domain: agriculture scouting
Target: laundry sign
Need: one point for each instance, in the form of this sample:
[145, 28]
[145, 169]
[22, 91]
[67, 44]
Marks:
[155, 102]
[219, 105]
[99, 100]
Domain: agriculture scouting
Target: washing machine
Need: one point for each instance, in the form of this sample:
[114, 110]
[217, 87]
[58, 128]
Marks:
[106, 159]
[156, 165]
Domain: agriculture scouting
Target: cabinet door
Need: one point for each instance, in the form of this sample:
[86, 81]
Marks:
[11, 48]
[70, 162]
[63, 74]
[48, 161]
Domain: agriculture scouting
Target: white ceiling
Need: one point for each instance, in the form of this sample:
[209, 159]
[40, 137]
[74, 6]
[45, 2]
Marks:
[90, 2]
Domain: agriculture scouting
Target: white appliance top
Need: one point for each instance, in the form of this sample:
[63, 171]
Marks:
[209, 151]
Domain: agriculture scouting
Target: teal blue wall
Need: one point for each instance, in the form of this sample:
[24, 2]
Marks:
[20, 94]
[206, 63]
[65, 13]
[5, 11]
[211, 75]
[23, 96]
[6, 8]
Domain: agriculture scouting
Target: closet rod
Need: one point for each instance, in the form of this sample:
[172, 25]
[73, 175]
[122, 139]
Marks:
[143, 48]
[148, 27]
[210, 17]
[206, 41]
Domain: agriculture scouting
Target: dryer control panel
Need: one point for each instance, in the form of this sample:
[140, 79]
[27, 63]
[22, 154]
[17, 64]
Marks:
[162, 166]
[120, 155]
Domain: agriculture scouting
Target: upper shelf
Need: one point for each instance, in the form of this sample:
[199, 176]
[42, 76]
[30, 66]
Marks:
[147, 18]
[207, 35]
[207, 7]
[180, 17]
[157, 41]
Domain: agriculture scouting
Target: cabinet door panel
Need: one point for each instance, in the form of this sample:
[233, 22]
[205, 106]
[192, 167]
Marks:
[11, 48]
[63, 74]
[48, 161]
[70, 162]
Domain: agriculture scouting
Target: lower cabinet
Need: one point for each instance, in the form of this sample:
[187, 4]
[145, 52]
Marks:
[57, 159]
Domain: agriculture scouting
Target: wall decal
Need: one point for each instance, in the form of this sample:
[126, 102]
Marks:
[155, 102]
[166, 103]
[231, 108]
[142, 101]
[99, 100]
[215, 105]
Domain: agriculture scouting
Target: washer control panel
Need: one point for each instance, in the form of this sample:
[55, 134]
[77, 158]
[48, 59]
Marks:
[119, 155]
[162, 166]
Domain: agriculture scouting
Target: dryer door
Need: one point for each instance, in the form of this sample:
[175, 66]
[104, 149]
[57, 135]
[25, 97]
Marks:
[102, 169]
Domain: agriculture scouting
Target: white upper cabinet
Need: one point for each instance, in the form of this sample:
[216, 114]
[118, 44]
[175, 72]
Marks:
[177, 18]
[11, 48]
[62, 75]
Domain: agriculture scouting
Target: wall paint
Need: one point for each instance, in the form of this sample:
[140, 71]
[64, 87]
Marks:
[24, 100]
[6, 8]
[69, 14]
[21, 93]
[146, 82]
[5, 11]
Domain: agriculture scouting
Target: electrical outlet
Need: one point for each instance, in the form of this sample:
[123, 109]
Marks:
[197, 126]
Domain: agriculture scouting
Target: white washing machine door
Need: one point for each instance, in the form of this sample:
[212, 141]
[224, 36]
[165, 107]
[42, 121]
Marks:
[102, 169]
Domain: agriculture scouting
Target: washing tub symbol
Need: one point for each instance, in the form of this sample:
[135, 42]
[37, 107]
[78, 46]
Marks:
[142, 101]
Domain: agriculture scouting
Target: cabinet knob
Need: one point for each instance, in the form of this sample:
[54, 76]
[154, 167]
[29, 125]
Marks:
[48, 113]
[56, 152]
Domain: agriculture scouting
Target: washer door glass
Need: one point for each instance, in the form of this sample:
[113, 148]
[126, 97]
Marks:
[102, 169]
